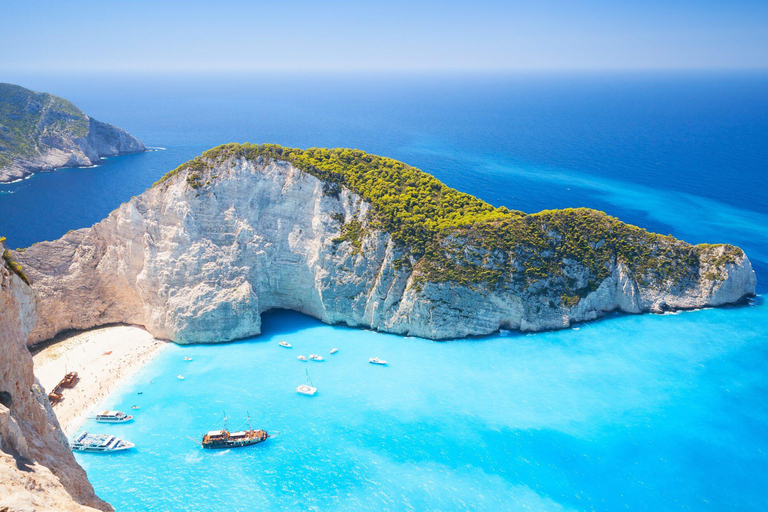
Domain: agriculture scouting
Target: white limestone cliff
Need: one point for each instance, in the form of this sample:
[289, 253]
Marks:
[201, 263]
[37, 469]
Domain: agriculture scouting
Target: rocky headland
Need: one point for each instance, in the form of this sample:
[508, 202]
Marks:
[42, 132]
[356, 239]
[37, 469]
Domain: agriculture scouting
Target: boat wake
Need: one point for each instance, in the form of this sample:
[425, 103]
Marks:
[193, 458]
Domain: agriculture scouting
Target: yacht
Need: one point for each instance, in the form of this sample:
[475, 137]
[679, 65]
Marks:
[307, 389]
[285, 344]
[302, 358]
[334, 350]
[113, 417]
[86, 442]
[316, 357]
[180, 377]
[222, 439]
[376, 360]
[187, 358]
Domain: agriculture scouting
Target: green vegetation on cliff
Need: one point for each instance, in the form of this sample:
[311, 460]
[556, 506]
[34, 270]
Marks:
[455, 237]
[12, 265]
[28, 118]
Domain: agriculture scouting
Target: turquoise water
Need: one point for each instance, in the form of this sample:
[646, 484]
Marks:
[641, 413]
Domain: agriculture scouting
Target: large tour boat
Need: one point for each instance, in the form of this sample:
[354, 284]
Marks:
[113, 417]
[221, 439]
[86, 442]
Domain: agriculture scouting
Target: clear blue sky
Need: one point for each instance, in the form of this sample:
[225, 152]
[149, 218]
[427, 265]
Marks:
[248, 35]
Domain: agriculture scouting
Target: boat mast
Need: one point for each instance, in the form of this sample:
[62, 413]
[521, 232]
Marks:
[225, 421]
[249, 420]
[309, 381]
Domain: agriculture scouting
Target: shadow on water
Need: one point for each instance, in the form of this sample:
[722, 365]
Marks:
[285, 321]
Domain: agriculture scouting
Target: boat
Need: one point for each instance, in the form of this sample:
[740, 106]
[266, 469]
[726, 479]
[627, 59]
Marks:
[55, 397]
[180, 377]
[334, 350]
[307, 389]
[112, 417]
[135, 407]
[316, 357]
[302, 358]
[222, 439]
[68, 381]
[187, 358]
[285, 344]
[86, 442]
[376, 360]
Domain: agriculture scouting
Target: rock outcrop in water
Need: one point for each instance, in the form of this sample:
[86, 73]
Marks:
[37, 469]
[42, 132]
[354, 239]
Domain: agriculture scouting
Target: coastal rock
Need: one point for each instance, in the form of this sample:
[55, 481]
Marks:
[42, 132]
[37, 469]
[224, 238]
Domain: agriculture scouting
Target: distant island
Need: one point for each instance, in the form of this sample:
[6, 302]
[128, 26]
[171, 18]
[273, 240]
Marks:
[42, 132]
[361, 240]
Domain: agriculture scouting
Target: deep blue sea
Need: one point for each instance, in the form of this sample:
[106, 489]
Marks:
[651, 413]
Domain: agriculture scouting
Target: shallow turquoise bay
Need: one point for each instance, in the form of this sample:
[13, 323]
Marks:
[638, 413]
[612, 415]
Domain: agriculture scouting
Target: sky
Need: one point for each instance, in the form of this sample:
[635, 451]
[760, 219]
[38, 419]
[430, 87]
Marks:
[355, 35]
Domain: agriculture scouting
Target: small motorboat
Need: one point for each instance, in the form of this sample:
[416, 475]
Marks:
[135, 407]
[285, 344]
[113, 417]
[334, 350]
[316, 357]
[180, 377]
[187, 358]
[307, 389]
[376, 360]
[86, 442]
[302, 358]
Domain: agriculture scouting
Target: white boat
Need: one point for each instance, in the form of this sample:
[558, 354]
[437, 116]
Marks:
[302, 358]
[113, 417]
[316, 357]
[187, 358]
[180, 377]
[135, 407]
[334, 350]
[376, 360]
[86, 442]
[307, 389]
[285, 344]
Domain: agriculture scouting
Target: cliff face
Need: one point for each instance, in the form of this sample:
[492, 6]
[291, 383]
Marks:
[37, 469]
[200, 256]
[41, 132]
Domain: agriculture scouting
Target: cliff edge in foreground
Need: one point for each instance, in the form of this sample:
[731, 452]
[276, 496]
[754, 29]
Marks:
[37, 469]
[356, 239]
[42, 132]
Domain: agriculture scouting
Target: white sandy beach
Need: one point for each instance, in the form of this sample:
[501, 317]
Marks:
[103, 358]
